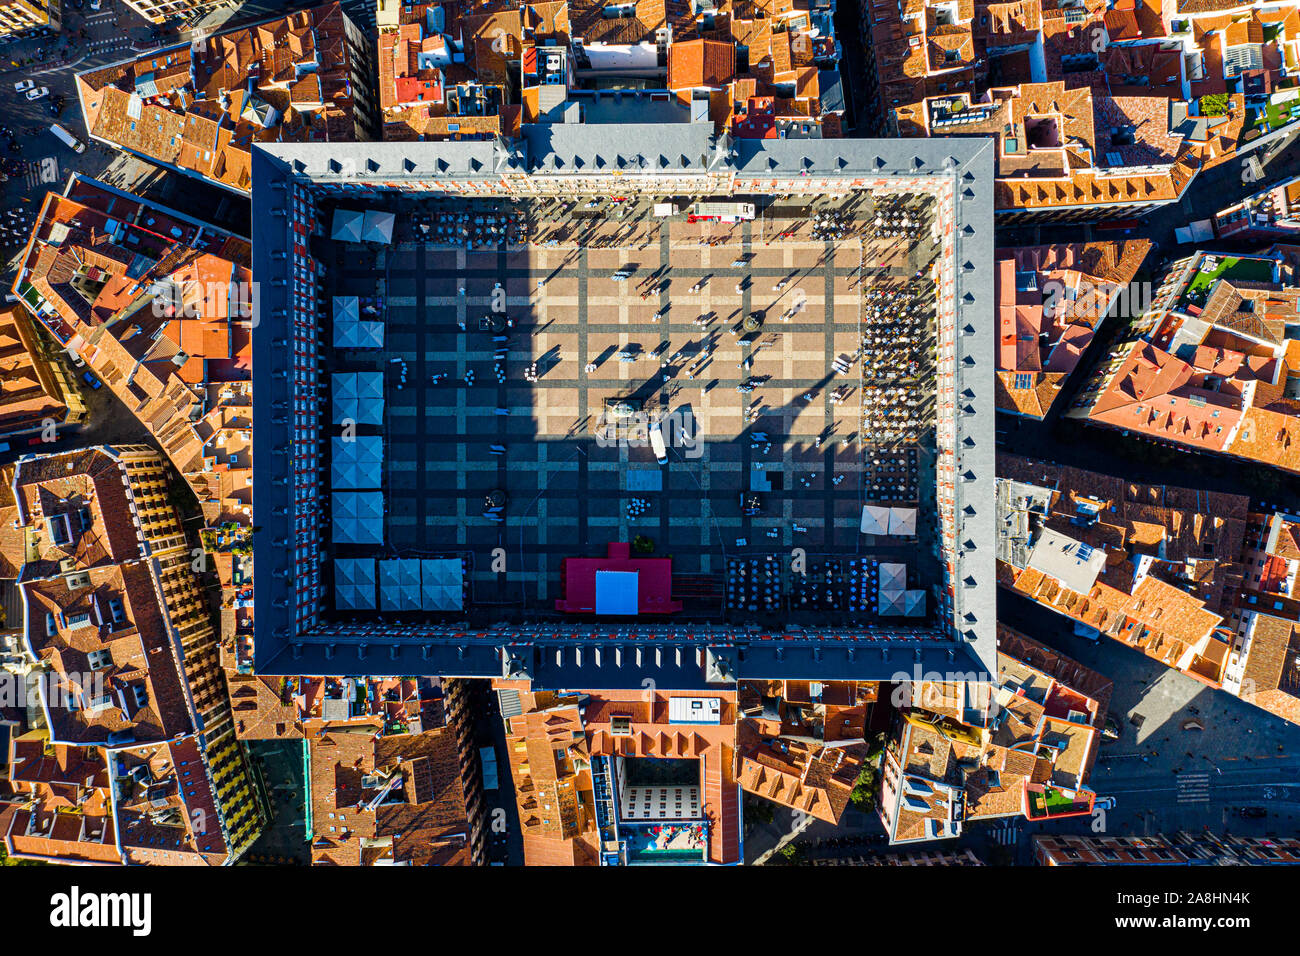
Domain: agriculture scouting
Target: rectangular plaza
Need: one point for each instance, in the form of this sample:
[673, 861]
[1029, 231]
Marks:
[638, 308]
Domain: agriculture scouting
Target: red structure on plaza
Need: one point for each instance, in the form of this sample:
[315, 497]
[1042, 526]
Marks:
[618, 584]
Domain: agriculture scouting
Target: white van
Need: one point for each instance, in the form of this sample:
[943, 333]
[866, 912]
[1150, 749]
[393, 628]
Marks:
[67, 137]
[657, 442]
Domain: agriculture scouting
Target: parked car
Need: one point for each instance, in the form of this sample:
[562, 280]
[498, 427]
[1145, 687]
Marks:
[1104, 803]
[38, 93]
[90, 380]
[22, 86]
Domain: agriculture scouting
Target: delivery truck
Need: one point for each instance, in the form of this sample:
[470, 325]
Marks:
[67, 137]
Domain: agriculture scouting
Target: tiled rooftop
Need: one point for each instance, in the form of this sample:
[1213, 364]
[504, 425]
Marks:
[199, 107]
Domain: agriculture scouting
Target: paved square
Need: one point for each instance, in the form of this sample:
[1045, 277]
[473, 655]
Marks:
[774, 411]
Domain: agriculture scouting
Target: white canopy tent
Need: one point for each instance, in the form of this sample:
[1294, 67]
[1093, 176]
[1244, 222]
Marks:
[891, 604]
[893, 577]
[350, 331]
[902, 522]
[378, 226]
[914, 603]
[357, 463]
[354, 584]
[875, 520]
[358, 397]
[358, 517]
[348, 225]
[399, 585]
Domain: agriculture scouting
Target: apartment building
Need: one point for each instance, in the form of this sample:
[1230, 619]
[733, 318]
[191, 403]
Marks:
[1098, 110]
[198, 108]
[404, 796]
[1023, 746]
[1264, 660]
[393, 771]
[1050, 301]
[1188, 577]
[159, 307]
[456, 71]
[800, 743]
[1272, 214]
[36, 388]
[1181, 849]
[160, 11]
[1212, 364]
[623, 777]
[120, 625]
[19, 16]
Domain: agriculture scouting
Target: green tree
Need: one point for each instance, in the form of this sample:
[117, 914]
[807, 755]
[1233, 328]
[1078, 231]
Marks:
[864, 789]
[1214, 104]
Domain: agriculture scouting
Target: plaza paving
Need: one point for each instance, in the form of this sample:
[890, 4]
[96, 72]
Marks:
[651, 337]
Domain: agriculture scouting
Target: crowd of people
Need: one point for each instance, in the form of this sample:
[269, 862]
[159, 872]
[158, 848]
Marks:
[897, 346]
[473, 230]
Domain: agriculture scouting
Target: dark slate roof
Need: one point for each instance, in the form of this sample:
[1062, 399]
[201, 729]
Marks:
[832, 91]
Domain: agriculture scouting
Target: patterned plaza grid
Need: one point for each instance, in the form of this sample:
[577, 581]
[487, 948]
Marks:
[568, 492]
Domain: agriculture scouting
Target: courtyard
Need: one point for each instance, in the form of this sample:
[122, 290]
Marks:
[502, 365]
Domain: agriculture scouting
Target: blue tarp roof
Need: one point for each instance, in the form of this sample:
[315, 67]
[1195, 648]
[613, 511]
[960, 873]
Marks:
[399, 585]
[358, 463]
[358, 517]
[354, 584]
[616, 592]
[358, 397]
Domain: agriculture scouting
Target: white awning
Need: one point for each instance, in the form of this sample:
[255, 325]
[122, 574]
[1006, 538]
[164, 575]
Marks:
[893, 577]
[902, 522]
[875, 520]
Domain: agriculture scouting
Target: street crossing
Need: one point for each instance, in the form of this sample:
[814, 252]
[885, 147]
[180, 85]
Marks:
[1006, 833]
[44, 172]
[1193, 788]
